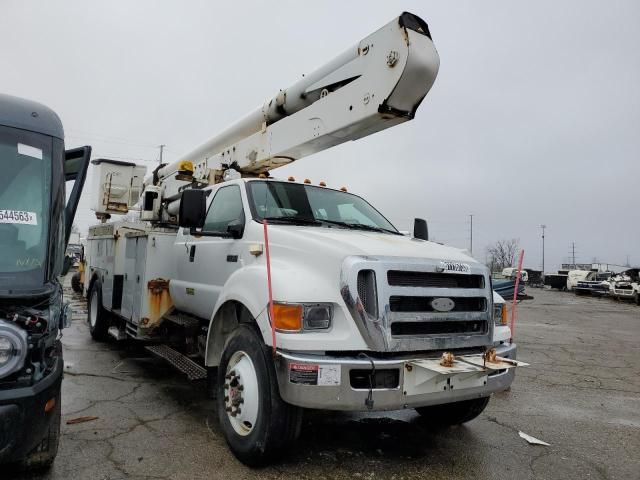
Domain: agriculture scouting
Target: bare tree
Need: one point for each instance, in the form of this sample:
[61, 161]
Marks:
[502, 254]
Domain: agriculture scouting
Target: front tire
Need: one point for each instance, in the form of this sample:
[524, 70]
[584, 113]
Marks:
[453, 413]
[97, 316]
[256, 422]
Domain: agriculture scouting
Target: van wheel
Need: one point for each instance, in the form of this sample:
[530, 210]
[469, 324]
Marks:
[256, 422]
[636, 298]
[453, 413]
[97, 316]
[44, 454]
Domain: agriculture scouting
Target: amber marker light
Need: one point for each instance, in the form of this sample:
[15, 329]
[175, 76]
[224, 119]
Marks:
[503, 315]
[49, 405]
[288, 317]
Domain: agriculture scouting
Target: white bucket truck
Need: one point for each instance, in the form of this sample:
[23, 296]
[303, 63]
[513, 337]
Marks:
[335, 309]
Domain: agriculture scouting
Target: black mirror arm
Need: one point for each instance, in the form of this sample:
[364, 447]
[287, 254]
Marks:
[197, 233]
[72, 205]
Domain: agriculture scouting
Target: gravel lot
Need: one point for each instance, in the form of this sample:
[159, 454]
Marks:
[581, 394]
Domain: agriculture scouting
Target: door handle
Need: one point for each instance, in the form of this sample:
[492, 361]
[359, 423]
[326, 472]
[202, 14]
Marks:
[192, 253]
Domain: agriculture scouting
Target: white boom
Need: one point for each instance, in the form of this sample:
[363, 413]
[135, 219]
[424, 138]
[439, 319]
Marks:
[376, 84]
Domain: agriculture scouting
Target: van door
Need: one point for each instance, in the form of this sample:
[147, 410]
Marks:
[205, 262]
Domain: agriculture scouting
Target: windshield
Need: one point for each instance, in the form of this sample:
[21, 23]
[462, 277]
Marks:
[25, 163]
[310, 204]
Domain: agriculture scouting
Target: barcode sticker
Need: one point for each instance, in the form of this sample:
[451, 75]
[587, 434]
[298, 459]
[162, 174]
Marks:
[18, 217]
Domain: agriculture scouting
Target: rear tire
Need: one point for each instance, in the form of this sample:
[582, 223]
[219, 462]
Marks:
[453, 413]
[76, 286]
[97, 316]
[247, 383]
[43, 456]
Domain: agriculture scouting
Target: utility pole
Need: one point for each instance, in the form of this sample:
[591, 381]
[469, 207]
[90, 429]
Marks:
[543, 227]
[161, 147]
[573, 253]
[471, 235]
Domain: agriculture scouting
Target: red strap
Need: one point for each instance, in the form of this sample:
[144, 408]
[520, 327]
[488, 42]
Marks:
[515, 296]
[271, 315]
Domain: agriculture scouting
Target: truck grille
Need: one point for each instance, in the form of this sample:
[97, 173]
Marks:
[399, 303]
[392, 300]
[433, 280]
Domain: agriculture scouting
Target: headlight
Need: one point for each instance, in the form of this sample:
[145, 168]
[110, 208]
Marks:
[298, 317]
[13, 348]
[500, 313]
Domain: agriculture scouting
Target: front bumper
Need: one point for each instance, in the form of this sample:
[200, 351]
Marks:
[336, 391]
[23, 420]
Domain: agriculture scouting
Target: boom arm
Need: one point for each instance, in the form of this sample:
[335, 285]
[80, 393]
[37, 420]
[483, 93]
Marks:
[376, 84]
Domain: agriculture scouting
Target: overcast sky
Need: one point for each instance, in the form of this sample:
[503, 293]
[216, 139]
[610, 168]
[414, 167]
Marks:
[534, 118]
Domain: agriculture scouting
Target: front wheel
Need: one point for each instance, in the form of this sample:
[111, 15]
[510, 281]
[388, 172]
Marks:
[256, 422]
[453, 413]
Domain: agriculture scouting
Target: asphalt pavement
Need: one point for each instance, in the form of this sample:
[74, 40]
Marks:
[581, 394]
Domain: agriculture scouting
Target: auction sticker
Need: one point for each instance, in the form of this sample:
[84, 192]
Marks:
[321, 375]
[18, 217]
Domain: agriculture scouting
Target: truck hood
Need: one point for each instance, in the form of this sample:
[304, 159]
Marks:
[343, 242]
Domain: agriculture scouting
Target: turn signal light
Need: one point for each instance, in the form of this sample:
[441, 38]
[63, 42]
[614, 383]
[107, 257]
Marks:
[287, 317]
[503, 315]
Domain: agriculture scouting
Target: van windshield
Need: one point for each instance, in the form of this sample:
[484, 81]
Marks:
[314, 205]
[25, 163]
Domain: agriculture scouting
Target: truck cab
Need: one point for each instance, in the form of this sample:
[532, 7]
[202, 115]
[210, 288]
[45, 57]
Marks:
[34, 228]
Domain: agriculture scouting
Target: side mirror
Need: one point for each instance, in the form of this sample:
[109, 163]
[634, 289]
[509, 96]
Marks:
[193, 206]
[235, 229]
[420, 229]
[76, 162]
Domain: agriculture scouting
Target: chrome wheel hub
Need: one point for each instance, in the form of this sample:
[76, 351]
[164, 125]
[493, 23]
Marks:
[241, 399]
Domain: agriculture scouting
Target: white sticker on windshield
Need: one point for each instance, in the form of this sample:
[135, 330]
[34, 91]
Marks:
[18, 217]
[29, 151]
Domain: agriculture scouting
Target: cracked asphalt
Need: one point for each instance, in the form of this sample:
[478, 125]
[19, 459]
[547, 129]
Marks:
[581, 394]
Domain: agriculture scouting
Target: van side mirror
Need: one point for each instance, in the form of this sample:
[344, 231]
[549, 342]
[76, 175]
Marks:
[76, 162]
[193, 208]
[420, 229]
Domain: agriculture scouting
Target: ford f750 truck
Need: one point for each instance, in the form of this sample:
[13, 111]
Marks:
[34, 231]
[289, 295]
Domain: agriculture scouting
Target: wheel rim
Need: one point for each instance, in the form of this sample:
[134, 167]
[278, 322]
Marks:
[93, 309]
[241, 394]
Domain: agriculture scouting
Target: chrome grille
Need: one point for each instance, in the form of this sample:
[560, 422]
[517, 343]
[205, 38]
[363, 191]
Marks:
[392, 301]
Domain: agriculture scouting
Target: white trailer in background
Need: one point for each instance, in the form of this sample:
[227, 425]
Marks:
[352, 316]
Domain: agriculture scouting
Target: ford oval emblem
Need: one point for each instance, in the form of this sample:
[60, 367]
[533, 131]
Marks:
[442, 304]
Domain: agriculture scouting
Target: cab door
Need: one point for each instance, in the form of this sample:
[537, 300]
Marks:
[207, 260]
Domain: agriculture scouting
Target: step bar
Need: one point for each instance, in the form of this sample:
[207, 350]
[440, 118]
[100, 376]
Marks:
[179, 361]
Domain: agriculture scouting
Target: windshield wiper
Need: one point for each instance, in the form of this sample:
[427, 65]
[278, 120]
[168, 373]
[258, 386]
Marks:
[293, 220]
[360, 226]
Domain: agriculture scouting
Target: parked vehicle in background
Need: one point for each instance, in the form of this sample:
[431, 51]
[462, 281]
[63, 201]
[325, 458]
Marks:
[574, 276]
[511, 272]
[595, 284]
[557, 280]
[623, 286]
[34, 231]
